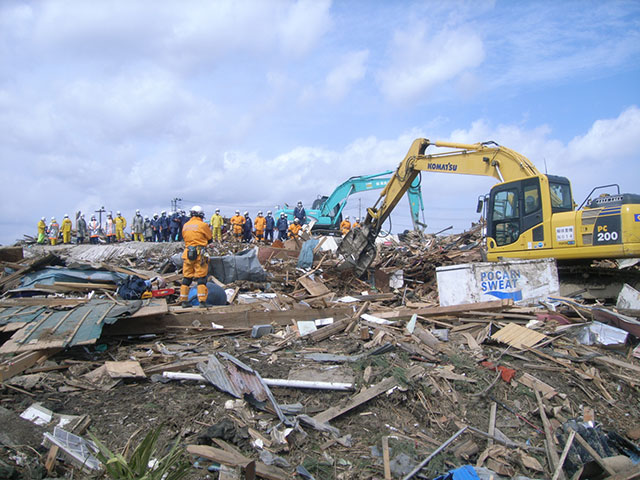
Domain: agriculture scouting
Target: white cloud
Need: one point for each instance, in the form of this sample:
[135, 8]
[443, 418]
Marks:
[350, 70]
[422, 60]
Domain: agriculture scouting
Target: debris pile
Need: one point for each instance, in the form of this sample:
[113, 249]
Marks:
[308, 371]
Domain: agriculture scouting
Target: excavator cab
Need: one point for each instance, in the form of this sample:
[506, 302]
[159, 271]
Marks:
[517, 210]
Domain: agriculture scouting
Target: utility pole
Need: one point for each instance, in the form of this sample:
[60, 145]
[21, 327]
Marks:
[174, 204]
[100, 211]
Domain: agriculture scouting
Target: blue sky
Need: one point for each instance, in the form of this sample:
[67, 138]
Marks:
[250, 104]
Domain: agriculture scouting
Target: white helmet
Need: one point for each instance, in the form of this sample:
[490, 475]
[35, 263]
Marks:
[246, 214]
[260, 213]
[66, 215]
[53, 219]
[137, 212]
[237, 212]
[357, 220]
[282, 214]
[296, 220]
[43, 219]
[164, 212]
[196, 211]
[155, 214]
[347, 217]
[269, 212]
[217, 210]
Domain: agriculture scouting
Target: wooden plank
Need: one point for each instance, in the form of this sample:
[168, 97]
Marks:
[532, 382]
[42, 301]
[236, 459]
[23, 361]
[329, 330]
[157, 306]
[364, 396]
[563, 457]
[85, 285]
[453, 309]
[385, 458]
[492, 422]
[224, 316]
[552, 454]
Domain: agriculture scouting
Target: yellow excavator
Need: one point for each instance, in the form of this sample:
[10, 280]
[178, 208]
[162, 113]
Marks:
[529, 214]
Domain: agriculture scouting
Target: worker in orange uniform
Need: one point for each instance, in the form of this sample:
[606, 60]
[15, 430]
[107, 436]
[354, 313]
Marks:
[356, 224]
[65, 228]
[260, 223]
[54, 230]
[197, 235]
[345, 226]
[121, 224]
[294, 228]
[216, 223]
[237, 224]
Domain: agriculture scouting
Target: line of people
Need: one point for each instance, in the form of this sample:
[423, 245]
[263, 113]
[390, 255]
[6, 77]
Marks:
[168, 228]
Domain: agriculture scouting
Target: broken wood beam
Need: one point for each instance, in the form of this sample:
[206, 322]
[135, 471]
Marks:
[326, 332]
[365, 395]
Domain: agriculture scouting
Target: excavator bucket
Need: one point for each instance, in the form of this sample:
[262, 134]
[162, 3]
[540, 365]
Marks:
[358, 249]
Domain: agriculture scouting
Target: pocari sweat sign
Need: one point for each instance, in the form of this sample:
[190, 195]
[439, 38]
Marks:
[523, 281]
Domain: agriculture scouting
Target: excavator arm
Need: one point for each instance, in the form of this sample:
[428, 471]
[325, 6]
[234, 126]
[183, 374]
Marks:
[485, 159]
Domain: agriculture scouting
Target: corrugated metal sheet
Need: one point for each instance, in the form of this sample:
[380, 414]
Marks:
[49, 328]
[238, 379]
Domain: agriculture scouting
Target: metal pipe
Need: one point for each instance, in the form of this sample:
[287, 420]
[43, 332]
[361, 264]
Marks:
[272, 382]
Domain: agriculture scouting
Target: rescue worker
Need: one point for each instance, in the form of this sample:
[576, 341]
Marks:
[54, 230]
[155, 226]
[42, 230]
[247, 229]
[148, 230]
[121, 224]
[110, 229]
[94, 230]
[81, 229]
[65, 228]
[260, 223]
[294, 228]
[270, 224]
[282, 227]
[176, 226]
[164, 226]
[197, 235]
[300, 213]
[356, 224]
[345, 226]
[237, 222]
[216, 225]
[137, 227]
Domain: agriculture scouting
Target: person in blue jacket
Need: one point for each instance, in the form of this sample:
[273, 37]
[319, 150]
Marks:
[155, 226]
[269, 226]
[282, 227]
[247, 228]
[175, 226]
[300, 214]
[164, 227]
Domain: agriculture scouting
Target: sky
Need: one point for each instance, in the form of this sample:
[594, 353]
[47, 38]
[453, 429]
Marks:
[249, 104]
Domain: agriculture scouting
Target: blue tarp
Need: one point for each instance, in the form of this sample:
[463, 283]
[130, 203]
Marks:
[466, 472]
[305, 259]
[50, 275]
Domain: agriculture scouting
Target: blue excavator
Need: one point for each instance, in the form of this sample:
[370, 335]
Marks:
[326, 212]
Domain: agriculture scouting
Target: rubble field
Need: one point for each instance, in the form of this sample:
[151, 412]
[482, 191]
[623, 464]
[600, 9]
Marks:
[309, 372]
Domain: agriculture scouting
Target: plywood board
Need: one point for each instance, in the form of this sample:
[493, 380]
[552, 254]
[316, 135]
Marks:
[518, 336]
[314, 286]
[125, 369]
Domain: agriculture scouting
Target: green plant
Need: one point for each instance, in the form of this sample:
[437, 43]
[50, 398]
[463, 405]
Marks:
[173, 466]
